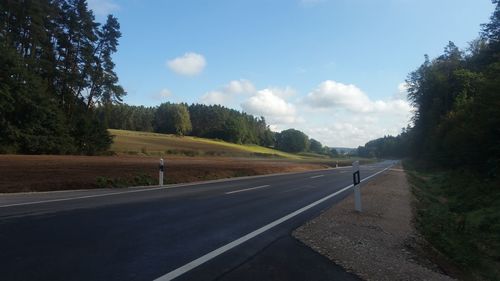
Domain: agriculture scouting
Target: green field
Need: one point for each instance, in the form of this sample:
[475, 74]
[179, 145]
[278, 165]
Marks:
[132, 142]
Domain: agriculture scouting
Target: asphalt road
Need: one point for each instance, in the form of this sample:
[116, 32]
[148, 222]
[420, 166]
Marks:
[221, 230]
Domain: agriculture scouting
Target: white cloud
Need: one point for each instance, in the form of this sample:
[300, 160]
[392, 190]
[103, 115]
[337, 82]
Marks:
[274, 108]
[189, 64]
[343, 115]
[350, 134]
[402, 92]
[332, 94]
[102, 8]
[241, 86]
[339, 134]
[215, 97]
[284, 93]
[334, 113]
[226, 94]
[165, 93]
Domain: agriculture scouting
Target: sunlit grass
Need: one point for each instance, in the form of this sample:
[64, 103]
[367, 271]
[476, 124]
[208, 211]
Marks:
[132, 142]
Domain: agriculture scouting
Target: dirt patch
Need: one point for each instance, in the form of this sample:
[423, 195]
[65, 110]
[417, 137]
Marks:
[378, 244]
[22, 173]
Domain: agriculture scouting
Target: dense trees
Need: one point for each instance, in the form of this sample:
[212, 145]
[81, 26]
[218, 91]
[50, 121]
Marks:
[127, 117]
[59, 91]
[315, 146]
[457, 101]
[55, 65]
[172, 119]
[207, 121]
[385, 147]
[291, 140]
[218, 122]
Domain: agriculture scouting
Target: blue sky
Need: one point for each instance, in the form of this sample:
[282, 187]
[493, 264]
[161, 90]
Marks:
[331, 68]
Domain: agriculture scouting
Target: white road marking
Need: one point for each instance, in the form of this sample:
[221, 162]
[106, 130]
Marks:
[201, 260]
[343, 172]
[134, 189]
[318, 176]
[247, 189]
[81, 197]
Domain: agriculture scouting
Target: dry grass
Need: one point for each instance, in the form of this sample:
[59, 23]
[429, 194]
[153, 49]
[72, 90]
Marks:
[22, 173]
[136, 163]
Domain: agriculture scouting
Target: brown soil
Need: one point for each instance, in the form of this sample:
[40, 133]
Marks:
[21, 173]
[380, 243]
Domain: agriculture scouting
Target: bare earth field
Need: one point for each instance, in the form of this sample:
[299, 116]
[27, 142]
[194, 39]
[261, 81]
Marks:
[380, 243]
[25, 173]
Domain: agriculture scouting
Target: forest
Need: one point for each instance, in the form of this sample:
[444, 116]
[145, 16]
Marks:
[59, 92]
[207, 121]
[452, 151]
[457, 118]
[55, 68]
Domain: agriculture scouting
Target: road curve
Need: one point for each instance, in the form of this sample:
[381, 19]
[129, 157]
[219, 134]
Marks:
[187, 232]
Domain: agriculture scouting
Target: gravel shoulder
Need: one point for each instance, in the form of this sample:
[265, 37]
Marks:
[380, 243]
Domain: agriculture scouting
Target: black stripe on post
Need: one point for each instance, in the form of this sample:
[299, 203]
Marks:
[355, 178]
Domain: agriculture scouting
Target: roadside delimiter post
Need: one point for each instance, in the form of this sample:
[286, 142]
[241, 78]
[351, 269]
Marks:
[356, 181]
[161, 172]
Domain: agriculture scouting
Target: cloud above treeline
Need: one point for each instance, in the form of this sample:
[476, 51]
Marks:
[272, 106]
[226, 94]
[334, 113]
[189, 64]
[331, 94]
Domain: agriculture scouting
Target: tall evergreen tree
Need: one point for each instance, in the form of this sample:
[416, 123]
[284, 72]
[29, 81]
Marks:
[56, 64]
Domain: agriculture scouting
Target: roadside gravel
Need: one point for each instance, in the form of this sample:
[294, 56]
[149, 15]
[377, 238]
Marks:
[377, 244]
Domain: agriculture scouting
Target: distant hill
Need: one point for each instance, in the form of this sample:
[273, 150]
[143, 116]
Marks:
[133, 142]
[344, 150]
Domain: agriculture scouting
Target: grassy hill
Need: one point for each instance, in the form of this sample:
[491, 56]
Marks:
[132, 142]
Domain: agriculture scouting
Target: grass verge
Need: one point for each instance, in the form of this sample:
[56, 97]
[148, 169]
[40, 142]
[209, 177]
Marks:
[146, 143]
[458, 213]
[138, 180]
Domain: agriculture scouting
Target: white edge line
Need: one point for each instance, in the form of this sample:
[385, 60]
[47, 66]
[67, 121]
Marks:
[81, 197]
[199, 261]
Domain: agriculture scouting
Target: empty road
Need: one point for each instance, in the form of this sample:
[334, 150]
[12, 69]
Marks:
[204, 231]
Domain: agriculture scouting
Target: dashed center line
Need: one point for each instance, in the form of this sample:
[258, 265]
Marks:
[209, 256]
[247, 189]
[318, 176]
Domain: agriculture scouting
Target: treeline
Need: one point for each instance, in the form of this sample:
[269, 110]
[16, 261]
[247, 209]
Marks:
[207, 121]
[457, 101]
[453, 148]
[386, 147]
[55, 66]
[59, 92]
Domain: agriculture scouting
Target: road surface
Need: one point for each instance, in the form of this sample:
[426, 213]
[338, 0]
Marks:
[213, 230]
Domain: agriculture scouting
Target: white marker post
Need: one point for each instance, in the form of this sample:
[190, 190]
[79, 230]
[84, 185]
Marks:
[161, 172]
[337, 165]
[356, 181]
